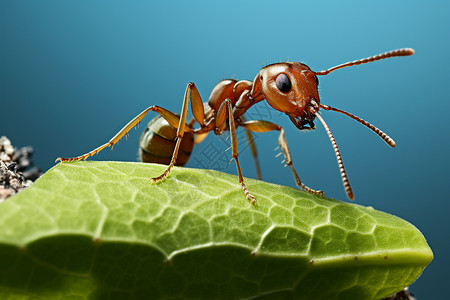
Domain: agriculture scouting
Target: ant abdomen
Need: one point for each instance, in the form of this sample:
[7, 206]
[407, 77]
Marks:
[158, 141]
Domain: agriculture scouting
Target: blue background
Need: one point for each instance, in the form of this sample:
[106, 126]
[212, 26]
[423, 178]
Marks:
[72, 73]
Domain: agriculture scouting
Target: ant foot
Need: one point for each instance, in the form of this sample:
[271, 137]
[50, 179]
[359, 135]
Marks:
[248, 195]
[314, 192]
[158, 179]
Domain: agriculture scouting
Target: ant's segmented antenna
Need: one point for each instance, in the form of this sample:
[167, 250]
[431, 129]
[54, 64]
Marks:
[345, 181]
[393, 53]
[380, 133]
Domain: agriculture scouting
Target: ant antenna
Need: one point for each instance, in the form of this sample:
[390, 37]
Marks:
[345, 181]
[380, 133]
[393, 53]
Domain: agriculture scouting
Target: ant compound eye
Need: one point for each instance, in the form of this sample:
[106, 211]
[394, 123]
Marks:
[317, 79]
[283, 83]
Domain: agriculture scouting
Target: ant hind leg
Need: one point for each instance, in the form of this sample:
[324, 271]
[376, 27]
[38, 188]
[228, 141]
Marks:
[198, 112]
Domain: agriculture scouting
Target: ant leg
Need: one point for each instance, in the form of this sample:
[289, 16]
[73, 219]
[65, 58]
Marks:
[198, 112]
[251, 142]
[169, 116]
[264, 126]
[220, 119]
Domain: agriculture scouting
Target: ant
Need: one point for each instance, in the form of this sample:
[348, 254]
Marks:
[289, 87]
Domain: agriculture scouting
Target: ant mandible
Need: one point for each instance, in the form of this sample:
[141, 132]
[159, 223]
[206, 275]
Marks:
[289, 87]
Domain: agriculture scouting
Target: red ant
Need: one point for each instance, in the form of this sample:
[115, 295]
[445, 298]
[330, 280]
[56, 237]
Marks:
[289, 87]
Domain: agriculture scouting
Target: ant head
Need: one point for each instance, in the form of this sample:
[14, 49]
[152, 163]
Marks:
[292, 88]
[287, 87]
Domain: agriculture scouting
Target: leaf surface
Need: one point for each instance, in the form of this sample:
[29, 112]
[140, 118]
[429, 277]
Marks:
[99, 230]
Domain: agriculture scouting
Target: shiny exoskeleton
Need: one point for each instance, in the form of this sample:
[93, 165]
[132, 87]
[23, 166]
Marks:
[158, 141]
[290, 87]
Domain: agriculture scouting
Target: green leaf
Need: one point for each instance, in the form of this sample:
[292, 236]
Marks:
[99, 230]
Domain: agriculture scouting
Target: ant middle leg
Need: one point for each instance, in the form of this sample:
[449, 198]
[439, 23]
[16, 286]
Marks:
[221, 118]
[252, 145]
[251, 142]
[264, 126]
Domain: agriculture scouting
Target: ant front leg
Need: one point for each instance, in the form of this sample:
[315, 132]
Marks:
[264, 126]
